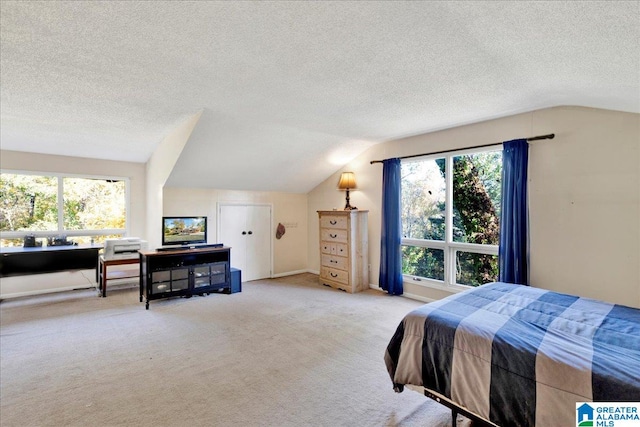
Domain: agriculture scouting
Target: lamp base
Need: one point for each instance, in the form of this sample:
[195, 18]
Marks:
[348, 206]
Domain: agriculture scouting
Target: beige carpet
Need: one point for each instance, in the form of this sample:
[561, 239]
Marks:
[284, 352]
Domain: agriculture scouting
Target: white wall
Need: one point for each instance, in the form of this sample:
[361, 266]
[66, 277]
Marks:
[585, 204]
[289, 252]
[21, 161]
[158, 169]
[584, 197]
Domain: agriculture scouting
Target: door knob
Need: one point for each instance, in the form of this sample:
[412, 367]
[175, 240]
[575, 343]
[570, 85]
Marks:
[251, 232]
[244, 232]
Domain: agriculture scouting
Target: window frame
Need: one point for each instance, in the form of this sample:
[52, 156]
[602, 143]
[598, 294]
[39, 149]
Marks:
[60, 201]
[448, 246]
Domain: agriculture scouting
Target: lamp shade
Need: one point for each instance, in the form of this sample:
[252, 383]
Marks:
[347, 181]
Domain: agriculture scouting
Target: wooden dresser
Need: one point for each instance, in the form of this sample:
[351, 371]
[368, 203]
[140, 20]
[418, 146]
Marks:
[344, 250]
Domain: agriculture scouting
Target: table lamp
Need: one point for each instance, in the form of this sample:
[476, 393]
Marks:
[347, 182]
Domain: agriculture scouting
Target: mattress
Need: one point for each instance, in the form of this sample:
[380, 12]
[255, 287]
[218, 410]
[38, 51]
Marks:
[518, 355]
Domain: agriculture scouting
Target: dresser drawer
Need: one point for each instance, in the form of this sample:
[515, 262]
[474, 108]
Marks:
[333, 221]
[333, 261]
[333, 235]
[334, 248]
[328, 248]
[334, 275]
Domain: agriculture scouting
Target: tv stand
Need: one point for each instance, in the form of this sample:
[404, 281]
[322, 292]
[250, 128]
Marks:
[184, 272]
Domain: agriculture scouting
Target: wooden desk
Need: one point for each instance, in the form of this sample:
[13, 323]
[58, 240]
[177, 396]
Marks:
[103, 275]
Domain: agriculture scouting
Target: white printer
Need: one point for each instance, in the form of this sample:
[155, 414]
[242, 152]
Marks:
[124, 248]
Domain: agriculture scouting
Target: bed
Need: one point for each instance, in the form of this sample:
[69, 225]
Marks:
[516, 355]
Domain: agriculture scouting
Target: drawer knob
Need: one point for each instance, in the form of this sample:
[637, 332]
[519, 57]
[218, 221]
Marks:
[333, 222]
[333, 236]
[333, 275]
[333, 261]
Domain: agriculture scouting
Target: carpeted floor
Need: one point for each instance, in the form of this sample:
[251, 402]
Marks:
[283, 352]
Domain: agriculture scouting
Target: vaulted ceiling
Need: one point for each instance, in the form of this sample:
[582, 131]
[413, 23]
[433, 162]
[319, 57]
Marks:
[292, 91]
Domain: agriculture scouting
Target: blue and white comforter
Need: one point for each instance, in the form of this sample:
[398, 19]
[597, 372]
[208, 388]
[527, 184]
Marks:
[517, 355]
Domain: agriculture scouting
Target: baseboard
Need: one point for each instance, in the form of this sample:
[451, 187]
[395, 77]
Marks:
[291, 273]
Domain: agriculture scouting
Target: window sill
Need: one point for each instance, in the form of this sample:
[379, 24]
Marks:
[434, 284]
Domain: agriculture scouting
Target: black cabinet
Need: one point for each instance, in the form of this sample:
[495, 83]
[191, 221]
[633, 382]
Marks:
[47, 259]
[184, 272]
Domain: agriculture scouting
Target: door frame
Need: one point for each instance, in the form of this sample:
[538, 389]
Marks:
[219, 206]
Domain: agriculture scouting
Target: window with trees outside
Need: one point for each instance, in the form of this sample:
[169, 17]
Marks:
[82, 208]
[451, 218]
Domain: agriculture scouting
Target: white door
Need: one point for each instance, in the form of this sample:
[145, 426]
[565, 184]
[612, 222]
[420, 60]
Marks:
[258, 249]
[232, 220]
[247, 230]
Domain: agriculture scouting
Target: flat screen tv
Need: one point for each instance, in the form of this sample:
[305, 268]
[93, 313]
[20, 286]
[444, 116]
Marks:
[184, 230]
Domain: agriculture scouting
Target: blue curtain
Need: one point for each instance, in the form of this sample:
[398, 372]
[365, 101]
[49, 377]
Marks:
[390, 256]
[512, 253]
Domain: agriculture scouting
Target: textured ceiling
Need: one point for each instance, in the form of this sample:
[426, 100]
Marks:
[291, 91]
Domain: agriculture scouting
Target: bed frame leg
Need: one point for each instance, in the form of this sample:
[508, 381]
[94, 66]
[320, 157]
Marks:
[456, 409]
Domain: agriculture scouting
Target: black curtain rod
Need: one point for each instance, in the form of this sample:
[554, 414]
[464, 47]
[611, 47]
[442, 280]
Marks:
[533, 138]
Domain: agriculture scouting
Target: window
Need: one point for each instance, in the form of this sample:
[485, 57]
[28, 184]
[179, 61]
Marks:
[451, 218]
[79, 207]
